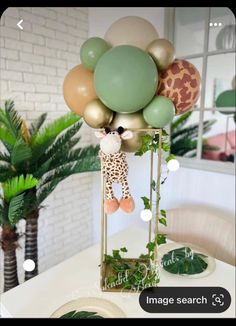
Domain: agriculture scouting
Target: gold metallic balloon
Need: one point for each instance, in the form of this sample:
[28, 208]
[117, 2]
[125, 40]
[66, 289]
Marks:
[131, 120]
[97, 115]
[162, 52]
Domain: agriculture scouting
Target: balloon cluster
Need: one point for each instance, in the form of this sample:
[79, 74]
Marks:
[130, 79]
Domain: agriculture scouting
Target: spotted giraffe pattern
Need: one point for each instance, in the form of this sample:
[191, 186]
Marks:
[181, 83]
[115, 170]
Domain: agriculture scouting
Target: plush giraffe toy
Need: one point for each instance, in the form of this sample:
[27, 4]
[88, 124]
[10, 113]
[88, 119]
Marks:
[115, 169]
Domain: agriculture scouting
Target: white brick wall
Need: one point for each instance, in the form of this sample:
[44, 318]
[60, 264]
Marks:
[33, 66]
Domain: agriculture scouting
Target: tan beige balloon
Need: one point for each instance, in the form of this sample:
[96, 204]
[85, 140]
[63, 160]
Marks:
[78, 89]
[97, 115]
[131, 30]
[163, 53]
[131, 120]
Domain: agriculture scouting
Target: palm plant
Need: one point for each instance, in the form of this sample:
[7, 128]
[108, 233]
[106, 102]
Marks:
[49, 154]
[184, 139]
[14, 205]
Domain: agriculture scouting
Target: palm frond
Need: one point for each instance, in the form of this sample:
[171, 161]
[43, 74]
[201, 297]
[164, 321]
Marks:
[41, 167]
[36, 125]
[6, 172]
[63, 142]
[53, 129]
[5, 157]
[16, 209]
[45, 137]
[6, 136]
[74, 156]
[64, 139]
[25, 132]
[13, 120]
[18, 184]
[181, 121]
[45, 190]
[21, 152]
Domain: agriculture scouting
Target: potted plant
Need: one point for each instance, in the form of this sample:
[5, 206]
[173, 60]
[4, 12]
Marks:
[13, 206]
[48, 153]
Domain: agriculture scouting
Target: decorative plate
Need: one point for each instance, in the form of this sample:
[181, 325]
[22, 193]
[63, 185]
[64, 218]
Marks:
[164, 249]
[102, 307]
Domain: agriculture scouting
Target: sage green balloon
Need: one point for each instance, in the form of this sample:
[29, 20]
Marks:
[91, 51]
[159, 112]
[125, 79]
[227, 99]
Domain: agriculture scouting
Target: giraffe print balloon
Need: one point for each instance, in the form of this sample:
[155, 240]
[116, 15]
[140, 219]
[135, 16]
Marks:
[181, 83]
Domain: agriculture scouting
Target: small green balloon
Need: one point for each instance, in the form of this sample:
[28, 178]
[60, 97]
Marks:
[159, 112]
[125, 79]
[226, 99]
[91, 51]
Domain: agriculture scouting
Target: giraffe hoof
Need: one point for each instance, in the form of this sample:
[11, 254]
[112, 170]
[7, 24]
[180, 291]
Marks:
[111, 205]
[127, 204]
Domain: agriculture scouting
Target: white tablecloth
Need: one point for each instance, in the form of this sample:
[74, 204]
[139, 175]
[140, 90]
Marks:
[79, 277]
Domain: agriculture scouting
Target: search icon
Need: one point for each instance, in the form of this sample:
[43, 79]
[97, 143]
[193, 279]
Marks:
[217, 299]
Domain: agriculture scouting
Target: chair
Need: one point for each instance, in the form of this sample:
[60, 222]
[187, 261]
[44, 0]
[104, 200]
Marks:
[205, 227]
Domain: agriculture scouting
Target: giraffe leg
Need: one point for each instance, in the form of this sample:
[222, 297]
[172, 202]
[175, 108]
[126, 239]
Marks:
[111, 204]
[126, 202]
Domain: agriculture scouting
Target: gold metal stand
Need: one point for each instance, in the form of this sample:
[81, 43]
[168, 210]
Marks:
[104, 269]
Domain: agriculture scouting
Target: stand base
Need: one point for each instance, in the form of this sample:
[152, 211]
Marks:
[120, 279]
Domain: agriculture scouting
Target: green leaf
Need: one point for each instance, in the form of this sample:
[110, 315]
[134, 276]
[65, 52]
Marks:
[162, 221]
[153, 185]
[163, 213]
[123, 249]
[16, 209]
[170, 157]
[17, 185]
[160, 239]
[146, 202]
[53, 129]
[6, 172]
[116, 254]
[184, 261]
[85, 164]
[21, 152]
[166, 147]
[182, 120]
[75, 156]
[5, 157]
[37, 124]
[45, 190]
[6, 136]
[12, 119]
[144, 256]
[81, 315]
[151, 246]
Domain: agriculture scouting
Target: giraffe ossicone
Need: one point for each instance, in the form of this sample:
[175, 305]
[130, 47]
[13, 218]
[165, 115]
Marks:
[115, 169]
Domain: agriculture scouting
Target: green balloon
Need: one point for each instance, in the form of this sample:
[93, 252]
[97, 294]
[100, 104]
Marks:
[91, 51]
[159, 112]
[125, 79]
[226, 99]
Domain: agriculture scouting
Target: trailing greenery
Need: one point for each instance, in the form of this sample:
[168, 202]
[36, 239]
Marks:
[81, 315]
[184, 261]
[183, 139]
[151, 142]
[129, 274]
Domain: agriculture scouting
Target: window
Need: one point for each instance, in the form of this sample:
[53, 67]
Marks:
[206, 38]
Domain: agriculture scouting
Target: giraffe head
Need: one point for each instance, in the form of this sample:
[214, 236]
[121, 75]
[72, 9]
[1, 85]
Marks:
[111, 139]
